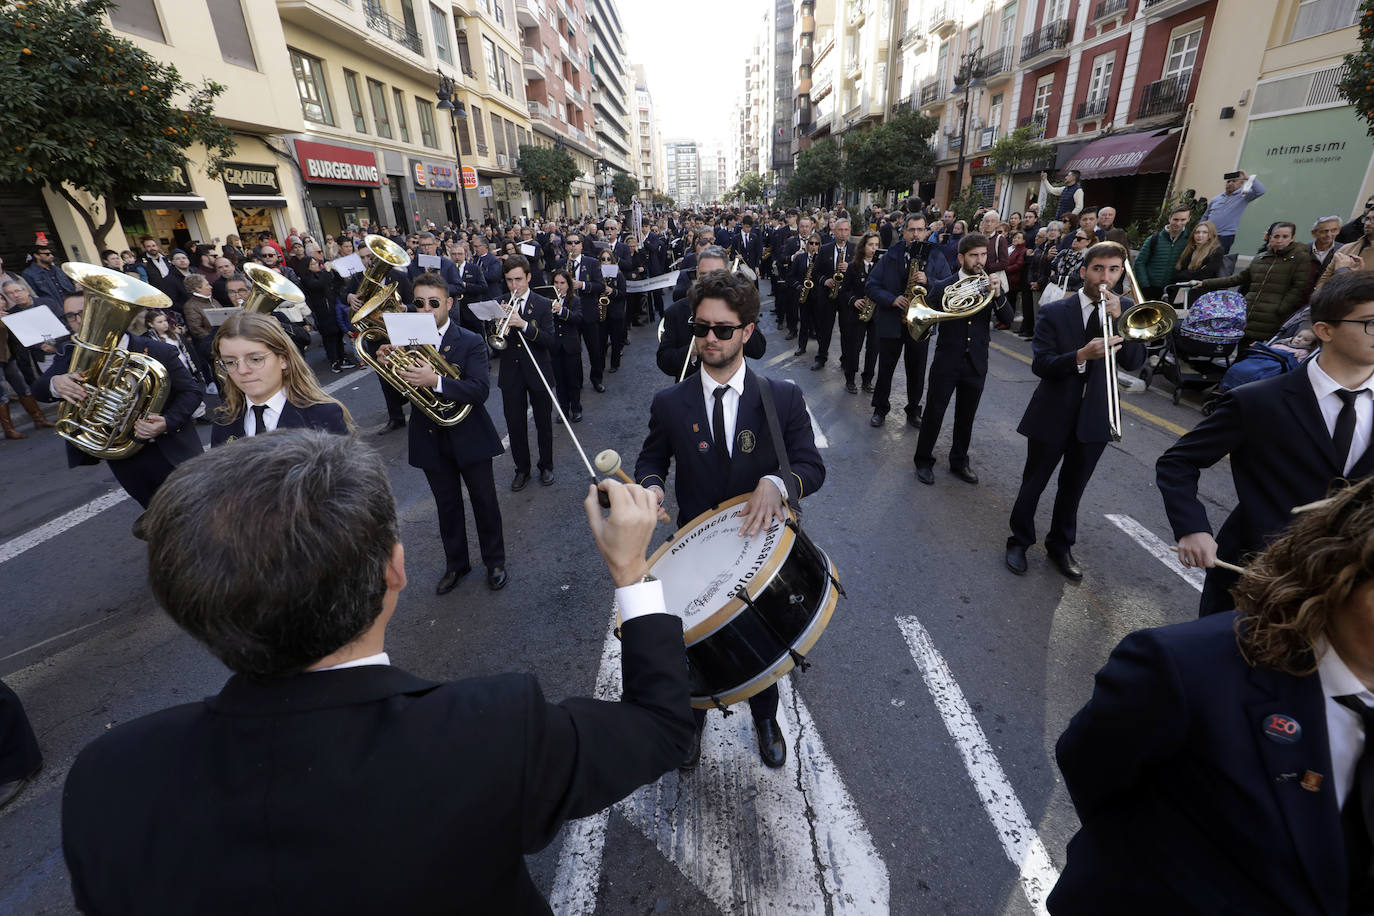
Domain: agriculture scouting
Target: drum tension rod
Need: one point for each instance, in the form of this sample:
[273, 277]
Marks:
[724, 710]
[796, 528]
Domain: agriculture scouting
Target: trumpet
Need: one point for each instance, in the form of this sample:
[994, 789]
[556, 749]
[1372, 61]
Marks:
[497, 338]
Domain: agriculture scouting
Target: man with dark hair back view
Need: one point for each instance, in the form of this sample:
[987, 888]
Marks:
[322, 778]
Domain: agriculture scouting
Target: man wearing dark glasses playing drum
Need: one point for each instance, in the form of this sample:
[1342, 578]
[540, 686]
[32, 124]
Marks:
[714, 424]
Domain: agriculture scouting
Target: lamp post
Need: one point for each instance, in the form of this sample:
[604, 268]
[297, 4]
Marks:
[449, 101]
[965, 77]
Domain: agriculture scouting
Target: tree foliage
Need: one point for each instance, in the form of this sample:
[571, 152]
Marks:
[87, 111]
[624, 187]
[1018, 147]
[1357, 84]
[548, 171]
[749, 188]
[891, 156]
[817, 171]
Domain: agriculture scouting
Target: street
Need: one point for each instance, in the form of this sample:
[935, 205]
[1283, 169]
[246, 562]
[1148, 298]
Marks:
[920, 775]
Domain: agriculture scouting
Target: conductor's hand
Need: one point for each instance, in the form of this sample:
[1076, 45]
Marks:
[764, 505]
[1095, 349]
[1198, 549]
[70, 387]
[623, 535]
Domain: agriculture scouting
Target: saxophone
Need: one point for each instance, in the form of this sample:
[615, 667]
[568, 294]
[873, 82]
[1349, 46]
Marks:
[838, 278]
[865, 305]
[807, 284]
[916, 301]
[604, 302]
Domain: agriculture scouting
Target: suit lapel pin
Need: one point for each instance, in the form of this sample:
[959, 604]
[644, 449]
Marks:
[1312, 782]
[703, 446]
[1282, 729]
[747, 440]
[696, 428]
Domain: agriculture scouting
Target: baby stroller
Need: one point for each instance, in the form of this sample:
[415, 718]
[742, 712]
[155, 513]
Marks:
[1202, 347]
[1259, 362]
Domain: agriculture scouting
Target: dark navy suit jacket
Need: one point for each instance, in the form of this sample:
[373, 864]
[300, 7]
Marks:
[457, 287]
[589, 294]
[475, 438]
[516, 370]
[566, 336]
[969, 335]
[1281, 457]
[1187, 805]
[1068, 404]
[489, 265]
[680, 429]
[180, 442]
[887, 281]
[825, 269]
[326, 417]
[752, 253]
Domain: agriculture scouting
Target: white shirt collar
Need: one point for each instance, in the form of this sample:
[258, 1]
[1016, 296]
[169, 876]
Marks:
[381, 658]
[1085, 302]
[1337, 678]
[709, 385]
[1324, 385]
[274, 404]
[443, 328]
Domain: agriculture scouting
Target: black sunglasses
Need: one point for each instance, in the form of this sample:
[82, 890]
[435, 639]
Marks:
[722, 331]
[432, 303]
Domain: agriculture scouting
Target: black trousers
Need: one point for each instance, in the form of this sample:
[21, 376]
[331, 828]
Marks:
[913, 357]
[142, 473]
[655, 304]
[19, 753]
[596, 356]
[613, 331]
[806, 318]
[964, 382]
[567, 373]
[856, 336]
[333, 346]
[1027, 297]
[1042, 456]
[762, 705]
[780, 291]
[824, 315]
[515, 402]
[447, 486]
[394, 399]
[790, 315]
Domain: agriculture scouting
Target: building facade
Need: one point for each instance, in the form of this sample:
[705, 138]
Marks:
[650, 145]
[613, 95]
[682, 165]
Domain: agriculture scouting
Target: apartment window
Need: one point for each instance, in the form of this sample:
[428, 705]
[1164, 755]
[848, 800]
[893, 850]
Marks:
[499, 9]
[489, 58]
[1101, 82]
[464, 138]
[485, 5]
[942, 64]
[498, 138]
[464, 55]
[376, 93]
[439, 25]
[1006, 31]
[1055, 10]
[425, 111]
[510, 140]
[1040, 109]
[235, 47]
[995, 112]
[138, 17]
[355, 101]
[1316, 17]
[310, 86]
[399, 99]
[479, 130]
[505, 75]
[1182, 55]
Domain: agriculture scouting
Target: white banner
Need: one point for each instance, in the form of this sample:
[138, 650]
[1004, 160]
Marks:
[665, 281]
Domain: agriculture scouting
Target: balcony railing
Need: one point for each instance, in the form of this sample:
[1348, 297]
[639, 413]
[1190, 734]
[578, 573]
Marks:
[1092, 108]
[942, 18]
[954, 141]
[930, 93]
[1052, 37]
[383, 24]
[914, 39]
[1165, 97]
[1036, 122]
[993, 63]
[1108, 8]
[537, 109]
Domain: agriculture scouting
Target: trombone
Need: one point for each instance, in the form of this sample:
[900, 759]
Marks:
[1144, 322]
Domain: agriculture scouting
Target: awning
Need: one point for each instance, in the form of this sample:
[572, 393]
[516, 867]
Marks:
[248, 201]
[169, 202]
[1126, 154]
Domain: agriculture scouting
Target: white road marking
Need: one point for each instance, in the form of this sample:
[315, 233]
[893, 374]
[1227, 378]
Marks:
[821, 440]
[44, 642]
[784, 841]
[1019, 839]
[781, 357]
[1158, 549]
[346, 380]
[65, 522]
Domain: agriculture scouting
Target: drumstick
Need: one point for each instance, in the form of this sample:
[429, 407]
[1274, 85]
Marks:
[602, 498]
[1221, 564]
[608, 463]
[691, 346]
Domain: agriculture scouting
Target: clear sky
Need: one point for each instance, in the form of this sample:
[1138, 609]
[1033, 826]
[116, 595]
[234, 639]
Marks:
[693, 56]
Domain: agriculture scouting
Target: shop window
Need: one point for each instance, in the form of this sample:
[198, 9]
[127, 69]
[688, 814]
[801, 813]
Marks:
[1317, 17]
[439, 23]
[399, 99]
[138, 17]
[310, 86]
[428, 135]
[235, 45]
[376, 94]
[355, 101]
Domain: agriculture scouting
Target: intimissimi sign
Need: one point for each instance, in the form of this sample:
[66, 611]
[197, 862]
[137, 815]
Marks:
[324, 163]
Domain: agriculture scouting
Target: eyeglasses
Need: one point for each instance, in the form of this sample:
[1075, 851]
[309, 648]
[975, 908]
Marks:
[1080, 238]
[431, 303]
[1367, 322]
[73, 316]
[252, 360]
[722, 331]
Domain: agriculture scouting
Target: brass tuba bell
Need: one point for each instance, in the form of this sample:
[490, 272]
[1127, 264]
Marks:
[270, 290]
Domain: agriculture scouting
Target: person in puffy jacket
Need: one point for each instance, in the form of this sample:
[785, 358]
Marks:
[1276, 279]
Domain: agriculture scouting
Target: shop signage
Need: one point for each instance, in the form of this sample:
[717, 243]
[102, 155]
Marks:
[419, 168]
[469, 177]
[484, 191]
[245, 179]
[441, 177]
[324, 163]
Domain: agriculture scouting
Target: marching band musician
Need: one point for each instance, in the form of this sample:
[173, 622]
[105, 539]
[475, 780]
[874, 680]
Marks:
[960, 366]
[887, 288]
[169, 438]
[461, 454]
[856, 334]
[793, 244]
[587, 286]
[611, 332]
[567, 345]
[267, 384]
[801, 269]
[781, 255]
[748, 244]
[687, 270]
[396, 418]
[714, 426]
[518, 379]
[1066, 419]
[677, 326]
[834, 257]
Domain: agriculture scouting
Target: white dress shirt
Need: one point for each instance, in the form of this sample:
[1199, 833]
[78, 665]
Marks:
[269, 418]
[730, 407]
[1344, 727]
[1325, 388]
[1089, 308]
[381, 658]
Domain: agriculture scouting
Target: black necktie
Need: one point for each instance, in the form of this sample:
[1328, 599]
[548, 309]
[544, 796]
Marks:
[1356, 814]
[718, 428]
[1344, 433]
[1094, 326]
[260, 418]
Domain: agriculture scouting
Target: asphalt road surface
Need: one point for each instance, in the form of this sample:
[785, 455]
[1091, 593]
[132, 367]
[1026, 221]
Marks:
[921, 776]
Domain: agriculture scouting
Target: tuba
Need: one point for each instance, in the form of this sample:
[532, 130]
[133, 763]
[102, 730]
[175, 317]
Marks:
[121, 387]
[270, 290]
[378, 297]
[963, 299]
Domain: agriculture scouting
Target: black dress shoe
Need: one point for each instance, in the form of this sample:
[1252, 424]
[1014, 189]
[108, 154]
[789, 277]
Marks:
[390, 426]
[771, 747]
[1066, 564]
[449, 580]
[614, 368]
[914, 419]
[496, 578]
[790, 335]
[867, 387]
[878, 418]
[850, 386]
[1016, 559]
[818, 365]
[965, 474]
[694, 755]
[598, 387]
[576, 415]
[546, 477]
[521, 478]
[800, 351]
[925, 473]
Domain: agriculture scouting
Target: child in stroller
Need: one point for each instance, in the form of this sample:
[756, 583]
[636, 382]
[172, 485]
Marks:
[1202, 347]
[1284, 352]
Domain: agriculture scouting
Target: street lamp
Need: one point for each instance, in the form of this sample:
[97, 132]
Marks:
[966, 77]
[449, 101]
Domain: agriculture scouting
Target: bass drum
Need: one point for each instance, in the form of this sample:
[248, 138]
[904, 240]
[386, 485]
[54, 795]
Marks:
[751, 608]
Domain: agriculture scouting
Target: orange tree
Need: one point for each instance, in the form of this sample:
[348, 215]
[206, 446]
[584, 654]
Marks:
[1357, 84]
[84, 110]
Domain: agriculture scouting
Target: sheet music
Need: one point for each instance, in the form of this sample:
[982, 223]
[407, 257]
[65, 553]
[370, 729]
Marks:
[35, 325]
[411, 328]
[487, 309]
